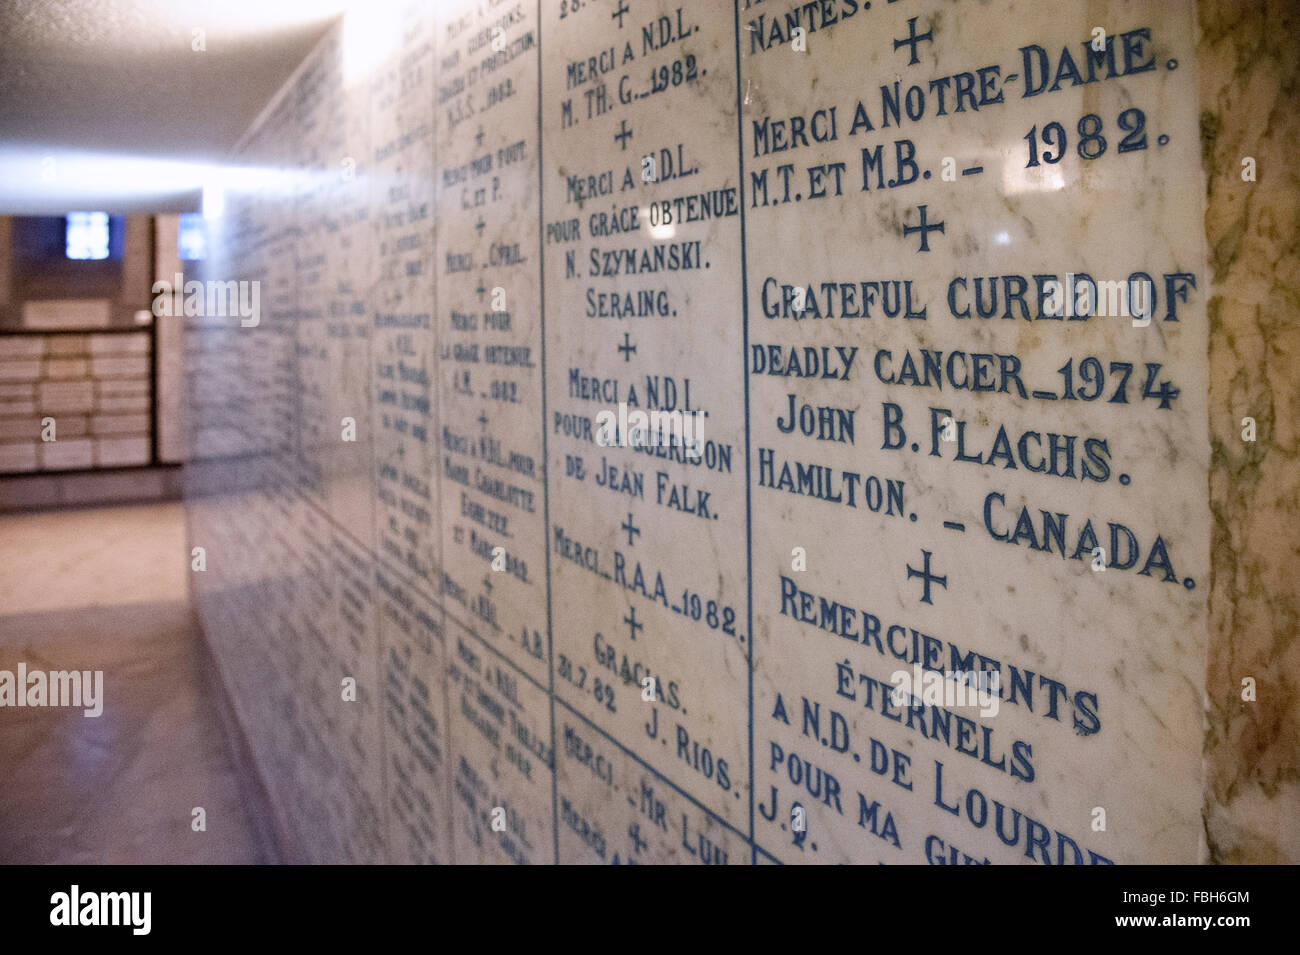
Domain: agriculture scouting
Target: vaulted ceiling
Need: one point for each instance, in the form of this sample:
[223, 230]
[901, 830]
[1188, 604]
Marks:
[95, 90]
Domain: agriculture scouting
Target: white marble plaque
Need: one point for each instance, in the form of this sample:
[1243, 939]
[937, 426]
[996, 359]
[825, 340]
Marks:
[981, 482]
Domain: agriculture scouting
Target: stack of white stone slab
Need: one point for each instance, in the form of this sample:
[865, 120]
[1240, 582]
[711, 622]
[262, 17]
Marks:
[75, 402]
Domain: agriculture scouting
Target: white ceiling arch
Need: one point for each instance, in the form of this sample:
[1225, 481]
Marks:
[123, 80]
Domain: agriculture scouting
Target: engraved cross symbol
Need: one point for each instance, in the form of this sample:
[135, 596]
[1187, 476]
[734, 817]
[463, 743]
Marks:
[620, 13]
[478, 137]
[487, 584]
[627, 348]
[480, 290]
[927, 578]
[914, 38]
[623, 134]
[631, 528]
[925, 228]
[633, 624]
[479, 225]
[483, 419]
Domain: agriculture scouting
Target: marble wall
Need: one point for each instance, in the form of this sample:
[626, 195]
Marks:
[1250, 72]
[944, 298]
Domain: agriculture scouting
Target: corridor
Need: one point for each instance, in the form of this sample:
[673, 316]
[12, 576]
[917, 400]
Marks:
[106, 589]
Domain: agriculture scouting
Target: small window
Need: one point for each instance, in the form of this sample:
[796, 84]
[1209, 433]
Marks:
[87, 235]
[192, 237]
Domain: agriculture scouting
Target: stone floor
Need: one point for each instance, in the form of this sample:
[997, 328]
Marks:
[107, 589]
